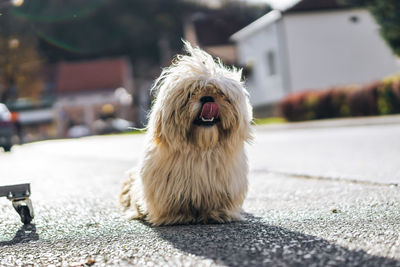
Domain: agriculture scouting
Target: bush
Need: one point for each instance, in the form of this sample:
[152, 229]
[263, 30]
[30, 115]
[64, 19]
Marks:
[389, 96]
[310, 105]
[297, 106]
[362, 101]
[378, 98]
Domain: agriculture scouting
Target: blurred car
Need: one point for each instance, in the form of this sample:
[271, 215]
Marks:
[77, 131]
[108, 123]
[6, 128]
[111, 125]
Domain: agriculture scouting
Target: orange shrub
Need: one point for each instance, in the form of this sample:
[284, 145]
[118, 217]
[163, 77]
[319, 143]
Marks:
[382, 97]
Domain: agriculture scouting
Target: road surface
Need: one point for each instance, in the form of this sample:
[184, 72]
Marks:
[294, 215]
[365, 153]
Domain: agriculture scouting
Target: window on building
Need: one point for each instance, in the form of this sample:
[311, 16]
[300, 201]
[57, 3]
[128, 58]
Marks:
[354, 19]
[271, 60]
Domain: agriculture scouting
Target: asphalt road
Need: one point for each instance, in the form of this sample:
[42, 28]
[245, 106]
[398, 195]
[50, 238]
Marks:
[290, 220]
[365, 153]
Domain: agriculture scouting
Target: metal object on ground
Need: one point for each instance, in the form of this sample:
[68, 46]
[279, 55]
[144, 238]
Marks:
[19, 196]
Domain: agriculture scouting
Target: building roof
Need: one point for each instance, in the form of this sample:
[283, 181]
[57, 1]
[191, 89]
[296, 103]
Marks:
[215, 27]
[275, 15]
[257, 25]
[315, 5]
[83, 76]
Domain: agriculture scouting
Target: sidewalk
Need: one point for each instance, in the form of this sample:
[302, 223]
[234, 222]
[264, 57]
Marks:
[334, 123]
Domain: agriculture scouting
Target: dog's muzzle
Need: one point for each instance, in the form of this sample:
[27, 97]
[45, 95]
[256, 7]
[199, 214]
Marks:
[209, 112]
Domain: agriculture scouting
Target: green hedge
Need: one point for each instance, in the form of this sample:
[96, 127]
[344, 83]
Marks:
[378, 98]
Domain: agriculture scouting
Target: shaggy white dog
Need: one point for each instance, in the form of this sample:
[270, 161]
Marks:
[195, 167]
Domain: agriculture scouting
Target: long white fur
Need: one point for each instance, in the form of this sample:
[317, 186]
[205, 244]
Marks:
[192, 174]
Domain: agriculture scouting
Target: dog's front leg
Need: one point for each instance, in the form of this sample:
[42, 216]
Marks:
[128, 200]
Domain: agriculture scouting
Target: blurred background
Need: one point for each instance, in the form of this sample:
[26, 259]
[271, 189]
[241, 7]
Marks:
[72, 68]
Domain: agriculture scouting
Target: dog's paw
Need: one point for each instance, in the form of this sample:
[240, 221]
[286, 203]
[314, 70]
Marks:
[125, 196]
[224, 216]
[133, 214]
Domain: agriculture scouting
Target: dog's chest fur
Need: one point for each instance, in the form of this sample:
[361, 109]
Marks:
[194, 182]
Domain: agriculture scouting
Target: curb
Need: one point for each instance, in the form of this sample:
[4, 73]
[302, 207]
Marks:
[333, 123]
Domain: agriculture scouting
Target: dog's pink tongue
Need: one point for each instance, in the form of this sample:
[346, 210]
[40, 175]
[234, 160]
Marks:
[209, 110]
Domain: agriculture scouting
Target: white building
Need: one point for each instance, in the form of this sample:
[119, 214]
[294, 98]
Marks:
[313, 45]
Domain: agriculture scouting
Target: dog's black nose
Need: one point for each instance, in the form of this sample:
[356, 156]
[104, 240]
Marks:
[206, 99]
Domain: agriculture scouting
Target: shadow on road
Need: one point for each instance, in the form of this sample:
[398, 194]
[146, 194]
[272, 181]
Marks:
[25, 234]
[255, 243]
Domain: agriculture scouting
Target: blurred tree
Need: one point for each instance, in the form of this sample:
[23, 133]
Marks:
[387, 14]
[96, 28]
[20, 69]
[148, 31]
[20, 62]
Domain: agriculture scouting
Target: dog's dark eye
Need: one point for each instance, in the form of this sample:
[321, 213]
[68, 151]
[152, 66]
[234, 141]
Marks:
[189, 96]
[220, 93]
[223, 96]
